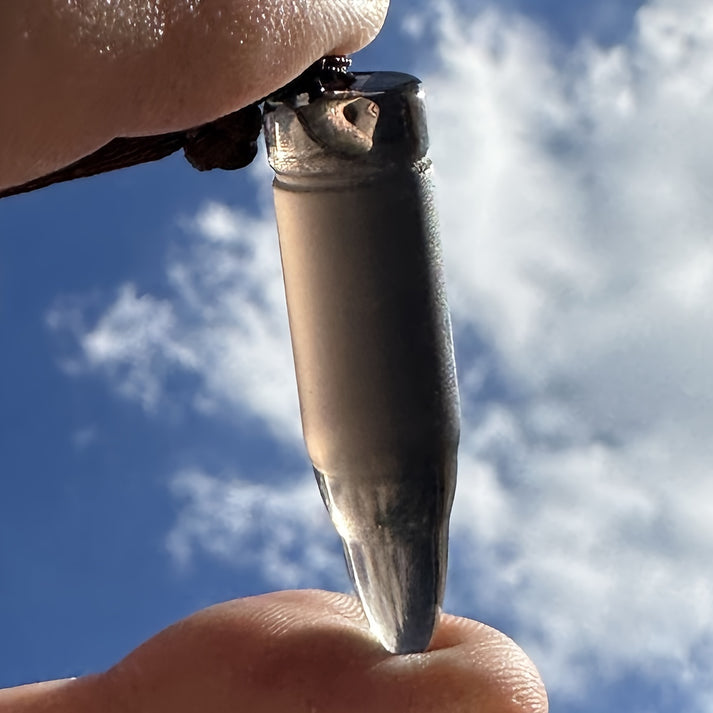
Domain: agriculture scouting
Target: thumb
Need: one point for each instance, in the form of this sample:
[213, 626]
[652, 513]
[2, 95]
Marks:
[84, 73]
[312, 651]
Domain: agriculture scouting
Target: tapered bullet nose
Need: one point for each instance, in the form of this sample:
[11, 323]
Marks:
[395, 537]
[397, 576]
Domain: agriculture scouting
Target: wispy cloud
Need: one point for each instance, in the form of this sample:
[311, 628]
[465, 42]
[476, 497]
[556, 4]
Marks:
[284, 532]
[83, 438]
[222, 323]
[577, 218]
[578, 226]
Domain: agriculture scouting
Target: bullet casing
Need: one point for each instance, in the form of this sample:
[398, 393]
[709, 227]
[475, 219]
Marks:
[371, 337]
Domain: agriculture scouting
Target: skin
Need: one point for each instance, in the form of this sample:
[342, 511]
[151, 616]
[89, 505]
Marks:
[300, 652]
[84, 72]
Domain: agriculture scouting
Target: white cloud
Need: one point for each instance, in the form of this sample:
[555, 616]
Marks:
[224, 321]
[284, 532]
[583, 262]
[575, 192]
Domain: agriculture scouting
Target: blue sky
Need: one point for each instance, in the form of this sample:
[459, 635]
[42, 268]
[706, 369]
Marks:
[150, 449]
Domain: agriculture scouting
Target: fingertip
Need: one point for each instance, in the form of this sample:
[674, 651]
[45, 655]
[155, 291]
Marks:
[313, 651]
[360, 24]
[508, 678]
[231, 53]
[469, 666]
[136, 69]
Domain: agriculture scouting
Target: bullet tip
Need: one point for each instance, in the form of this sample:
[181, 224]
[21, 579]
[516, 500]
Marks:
[398, 584]
[396, 546]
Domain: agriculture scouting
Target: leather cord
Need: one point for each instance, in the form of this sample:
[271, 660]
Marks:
[228, 143]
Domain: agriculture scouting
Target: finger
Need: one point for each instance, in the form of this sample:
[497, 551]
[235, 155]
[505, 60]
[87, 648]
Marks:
[84, 73]
[312, 651]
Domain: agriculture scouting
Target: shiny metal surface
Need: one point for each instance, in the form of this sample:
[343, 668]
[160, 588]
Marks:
[371, 338]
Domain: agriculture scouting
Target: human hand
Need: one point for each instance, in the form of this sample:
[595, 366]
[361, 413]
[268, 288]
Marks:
[299, 652]
[82, 73]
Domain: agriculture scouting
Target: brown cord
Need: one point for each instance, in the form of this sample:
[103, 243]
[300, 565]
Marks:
[228, 143]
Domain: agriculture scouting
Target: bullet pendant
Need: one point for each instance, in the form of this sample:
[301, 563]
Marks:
[371, 335]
